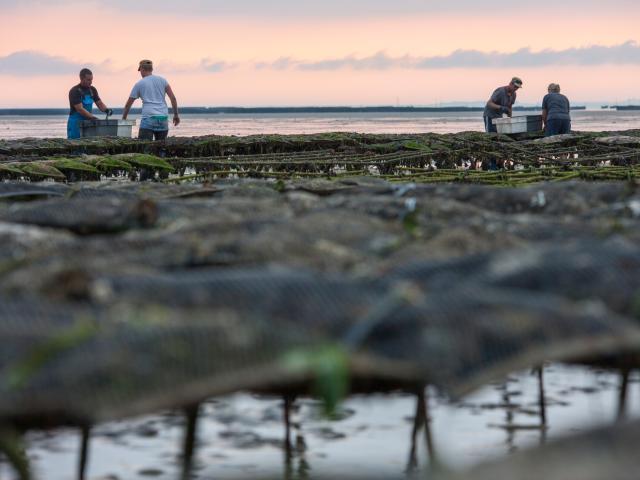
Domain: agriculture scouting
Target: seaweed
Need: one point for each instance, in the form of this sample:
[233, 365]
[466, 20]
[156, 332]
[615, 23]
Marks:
[109, 164]
[41, 170]
[144, 160]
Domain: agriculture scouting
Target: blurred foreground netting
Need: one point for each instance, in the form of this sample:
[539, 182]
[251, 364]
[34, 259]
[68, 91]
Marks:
[604, 453]
[122, 298]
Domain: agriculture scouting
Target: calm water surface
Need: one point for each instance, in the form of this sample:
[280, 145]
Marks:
[223, 124]
[241, 435]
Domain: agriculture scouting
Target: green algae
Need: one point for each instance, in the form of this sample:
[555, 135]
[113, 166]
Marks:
[329, 367]
[144, 161]
[10, 170]
[38, 170]
[109, 164]
[67, 164]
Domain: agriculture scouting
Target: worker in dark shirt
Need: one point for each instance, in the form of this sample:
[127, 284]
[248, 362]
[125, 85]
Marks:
[501, 102]
[81, 100]
[556, 115]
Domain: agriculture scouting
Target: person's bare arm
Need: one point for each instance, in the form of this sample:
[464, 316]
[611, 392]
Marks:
[498, 108]
[174, 105]
[127, 108]
[80, 109]
[544, 118]
[494, 106]
[100, 104]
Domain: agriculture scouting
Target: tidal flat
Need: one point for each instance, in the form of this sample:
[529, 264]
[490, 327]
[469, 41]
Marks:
[314, 306]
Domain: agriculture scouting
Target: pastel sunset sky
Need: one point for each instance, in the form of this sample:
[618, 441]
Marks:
[329, 52]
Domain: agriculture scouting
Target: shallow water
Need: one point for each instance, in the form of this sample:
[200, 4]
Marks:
[241, 435]
[244, 124]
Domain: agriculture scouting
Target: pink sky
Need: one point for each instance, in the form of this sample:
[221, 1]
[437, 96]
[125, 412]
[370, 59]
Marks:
[373, 59]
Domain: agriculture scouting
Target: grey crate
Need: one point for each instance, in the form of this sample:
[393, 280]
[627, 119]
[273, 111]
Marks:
[106, 128]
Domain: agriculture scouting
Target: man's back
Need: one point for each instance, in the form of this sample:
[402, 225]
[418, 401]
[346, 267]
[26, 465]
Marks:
[151, 89]
[557, 106]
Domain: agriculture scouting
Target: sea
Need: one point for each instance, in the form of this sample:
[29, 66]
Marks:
[54, 126]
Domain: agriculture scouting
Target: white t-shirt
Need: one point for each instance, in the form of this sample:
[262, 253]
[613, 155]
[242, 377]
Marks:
[151, 89]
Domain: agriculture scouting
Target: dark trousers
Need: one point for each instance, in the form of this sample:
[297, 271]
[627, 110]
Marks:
[148, 134]
[489, 127]
[557, 126]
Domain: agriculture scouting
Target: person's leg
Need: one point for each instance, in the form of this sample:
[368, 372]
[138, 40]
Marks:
[489, 127]
[161, 134]
[553, 128]
[146, 129]
[145, 134]
[73, 128]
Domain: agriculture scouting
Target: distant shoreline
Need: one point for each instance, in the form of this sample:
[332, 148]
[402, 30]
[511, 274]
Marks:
[268, 110]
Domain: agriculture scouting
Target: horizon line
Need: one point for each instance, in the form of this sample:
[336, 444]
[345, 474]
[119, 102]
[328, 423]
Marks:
[308, 109]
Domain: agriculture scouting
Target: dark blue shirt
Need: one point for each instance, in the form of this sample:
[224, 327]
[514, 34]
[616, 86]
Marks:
[557, 106]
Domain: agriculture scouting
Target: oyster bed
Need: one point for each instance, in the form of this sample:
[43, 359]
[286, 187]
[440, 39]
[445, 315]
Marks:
[424, 158]
[121, 298]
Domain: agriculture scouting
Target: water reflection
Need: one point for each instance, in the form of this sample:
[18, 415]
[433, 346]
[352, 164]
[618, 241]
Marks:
[382, 436]
[194, 125]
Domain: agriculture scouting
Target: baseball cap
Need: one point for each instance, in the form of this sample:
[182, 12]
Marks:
[517, 82]
[145, 64]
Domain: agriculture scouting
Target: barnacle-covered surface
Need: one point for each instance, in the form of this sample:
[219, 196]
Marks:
[321, 264]
[459, 157]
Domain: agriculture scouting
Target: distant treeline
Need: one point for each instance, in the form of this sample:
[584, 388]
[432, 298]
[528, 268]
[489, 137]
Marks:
[627, 107]
[259, 110]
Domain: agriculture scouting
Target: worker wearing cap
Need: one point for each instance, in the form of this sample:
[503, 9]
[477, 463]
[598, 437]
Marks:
[501, 102]
[81, 100]
[152, 89]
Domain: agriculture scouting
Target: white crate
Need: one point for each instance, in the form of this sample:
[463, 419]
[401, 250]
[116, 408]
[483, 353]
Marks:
[519, 124]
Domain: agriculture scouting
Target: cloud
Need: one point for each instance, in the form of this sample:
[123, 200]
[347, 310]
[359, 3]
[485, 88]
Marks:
[324, 8]
[379, 61]
[283, 63]
[32, 64]
[624, 54]
[212, 66]
[29, 63]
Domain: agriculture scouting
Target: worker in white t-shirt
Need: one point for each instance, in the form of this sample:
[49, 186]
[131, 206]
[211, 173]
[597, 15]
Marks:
[155, 113]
